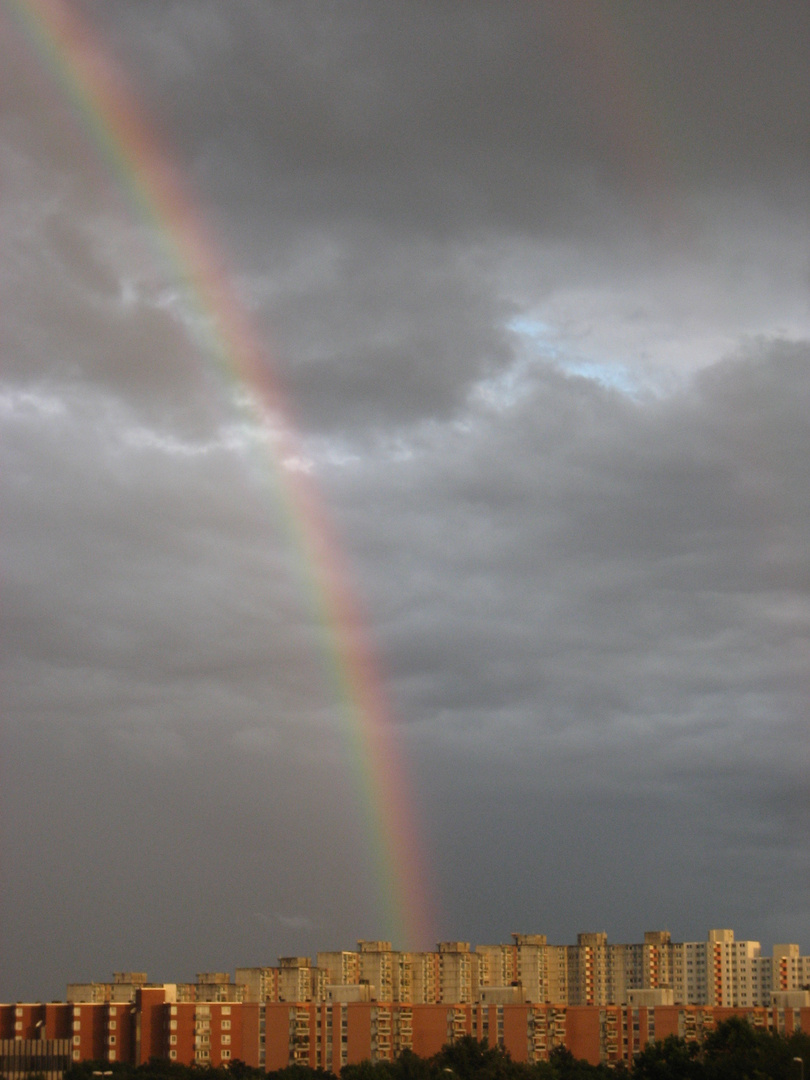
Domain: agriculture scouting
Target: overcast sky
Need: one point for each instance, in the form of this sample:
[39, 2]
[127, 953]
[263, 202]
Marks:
[536, 280]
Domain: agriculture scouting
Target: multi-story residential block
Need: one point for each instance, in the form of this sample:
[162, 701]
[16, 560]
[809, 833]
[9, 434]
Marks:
[722, 972]
[789, 970]
[557, 963]
[455, 972]
[719, 971]
[524, 963]
[342, 968]
[22, 1058]
[603, 1001]
[272, 1035]
[378, 967]
[259, 983]
[425, 981]
[297, 980]
[589, 970]
[497, 965]
[216, 986]
[657, 960]
[122, 988]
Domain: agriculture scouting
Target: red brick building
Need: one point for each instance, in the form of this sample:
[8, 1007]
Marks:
[272, 1035]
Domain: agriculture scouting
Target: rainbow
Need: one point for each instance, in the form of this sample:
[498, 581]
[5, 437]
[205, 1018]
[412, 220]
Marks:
[107, 113]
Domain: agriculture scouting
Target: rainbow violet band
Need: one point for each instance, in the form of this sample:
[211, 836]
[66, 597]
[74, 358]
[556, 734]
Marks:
[84, 76]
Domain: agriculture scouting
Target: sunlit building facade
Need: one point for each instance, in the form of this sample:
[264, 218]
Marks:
[272, 1035]
[602, 1001]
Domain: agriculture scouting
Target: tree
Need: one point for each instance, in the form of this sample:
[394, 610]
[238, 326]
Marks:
[469, 1059]
[670, 1059]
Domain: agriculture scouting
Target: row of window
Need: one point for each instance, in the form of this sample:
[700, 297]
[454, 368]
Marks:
[200, 1025]
[203, 1010]
[201, 1055]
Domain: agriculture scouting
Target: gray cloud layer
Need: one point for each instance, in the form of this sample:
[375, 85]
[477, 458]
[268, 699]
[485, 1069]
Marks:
[535, 278]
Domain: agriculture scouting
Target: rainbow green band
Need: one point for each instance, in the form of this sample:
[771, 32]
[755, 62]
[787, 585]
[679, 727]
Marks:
[105, 111]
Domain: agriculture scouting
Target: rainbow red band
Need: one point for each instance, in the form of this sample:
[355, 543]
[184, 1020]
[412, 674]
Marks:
[107, 114]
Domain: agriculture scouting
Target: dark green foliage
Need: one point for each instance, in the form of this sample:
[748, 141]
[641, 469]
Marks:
[411, 1067]
[468, 1059]
[736, 1049]
[159, 1069]
[295, 1072]
[565, 1066]
[733, 1051]
[672, 1059]
[366, 1071]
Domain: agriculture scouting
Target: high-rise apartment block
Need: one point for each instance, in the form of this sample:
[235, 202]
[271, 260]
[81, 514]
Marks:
[602, 1001]
[719, 972]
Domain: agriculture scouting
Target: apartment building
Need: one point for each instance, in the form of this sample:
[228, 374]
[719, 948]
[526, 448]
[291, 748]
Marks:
[590, 970]
[540, 969]
[602, 1001]
[216, 986]
[455, 972]
[449, 974]
[122, 988]
[272, 1035]
[725, 972]
[297, 980]
[22, 1058]
[342, 968]
[789, 970]
[425, 982]
[259, 983]
[720, 971]
[379, 967]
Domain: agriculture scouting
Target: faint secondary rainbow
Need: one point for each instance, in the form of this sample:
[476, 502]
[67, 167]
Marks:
[72, 58]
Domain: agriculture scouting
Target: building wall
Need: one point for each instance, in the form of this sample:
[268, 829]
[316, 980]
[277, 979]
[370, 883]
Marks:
[149, 1027]
[259, 983]
[342, 968]
[515, 1031]
[277, 1035]
[295, 978]
[22, 1058]
[252, 1035]
[588, 967]
[425, 981]
[429, 1029]
[89, 1029]
[204, 1033]
[376, 967]
[455, 972]
[582, 1032]
[330, 1036]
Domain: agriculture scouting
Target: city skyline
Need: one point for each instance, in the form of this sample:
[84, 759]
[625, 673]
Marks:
[719, 970]
[603, 1002]
[405, 500]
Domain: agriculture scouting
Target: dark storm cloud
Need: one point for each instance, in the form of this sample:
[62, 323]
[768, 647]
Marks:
[663, 539]
[427, 92]
[536, 279]
[614, 618]
[375, 168]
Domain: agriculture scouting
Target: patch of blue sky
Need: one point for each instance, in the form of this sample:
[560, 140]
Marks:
[542, 343]
[611, 375]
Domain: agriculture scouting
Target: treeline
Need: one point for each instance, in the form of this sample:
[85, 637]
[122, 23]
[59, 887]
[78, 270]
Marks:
[733, 1051]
